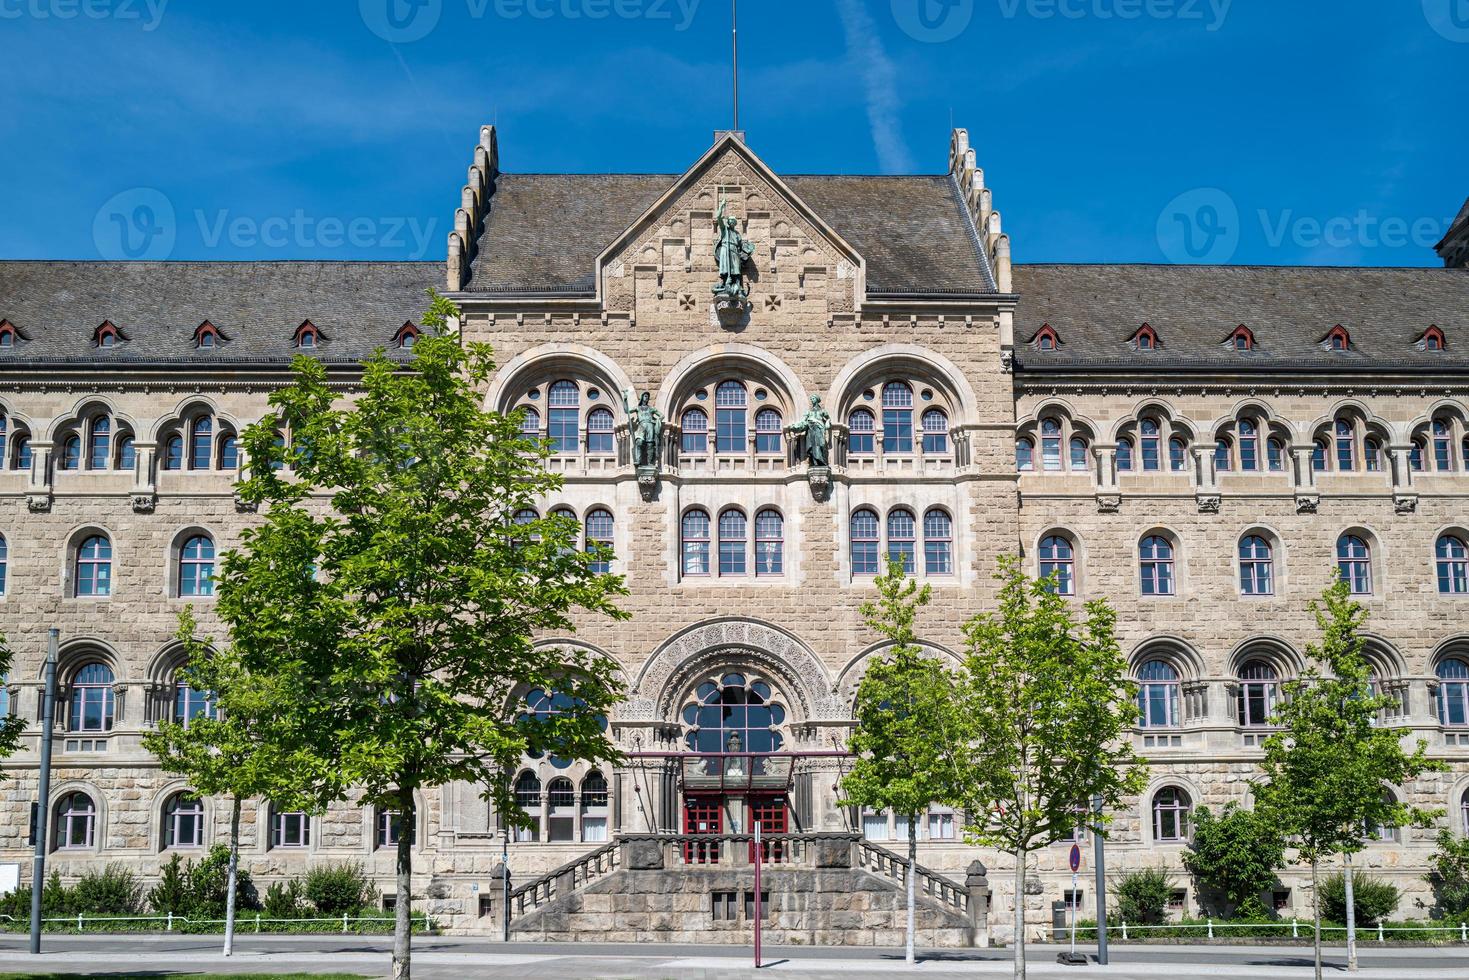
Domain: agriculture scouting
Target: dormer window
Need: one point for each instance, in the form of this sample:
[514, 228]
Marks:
[8, 334]
[307, 336]
[1242, 338]
[1433, 339]
[1046, 338]
[107, 336]
[1146, 338]
[1338, 339]
[207, 336]
[406, 336]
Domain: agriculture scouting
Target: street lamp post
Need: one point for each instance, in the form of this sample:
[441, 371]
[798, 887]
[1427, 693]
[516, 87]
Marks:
[43, 790]
[1100, 860]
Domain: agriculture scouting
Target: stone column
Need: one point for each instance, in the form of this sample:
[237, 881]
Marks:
[977, 882]
[1304, 479]
[1405, 497]
[1109, 496]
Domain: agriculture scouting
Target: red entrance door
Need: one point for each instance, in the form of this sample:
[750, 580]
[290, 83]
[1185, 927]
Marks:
[773, 817]
[702, 815]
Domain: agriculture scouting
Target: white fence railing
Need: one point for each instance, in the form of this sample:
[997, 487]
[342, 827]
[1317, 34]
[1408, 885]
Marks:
[1299, 929]
[242, 923]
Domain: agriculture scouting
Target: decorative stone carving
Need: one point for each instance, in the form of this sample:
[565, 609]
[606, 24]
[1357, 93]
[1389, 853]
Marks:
[1208, 503]
[648, 482]
[1109, 503]
[144, 502]
[1306, 503]
[732, 311]
[820, 479]
[1405, 503]
[1007, 360]
[39, 503]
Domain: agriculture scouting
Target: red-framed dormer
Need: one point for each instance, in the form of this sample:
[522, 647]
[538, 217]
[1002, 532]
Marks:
[1337, 339]
[107, 336]
[1433, 339]
[1145, 338]
[1242, 338]
[1046, 338]
[207, 336]
[308, 336]
[407, 336]
[10, 335]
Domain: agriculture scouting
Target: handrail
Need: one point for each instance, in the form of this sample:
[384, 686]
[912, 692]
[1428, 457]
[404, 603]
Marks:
[935, 885]
[589, 866]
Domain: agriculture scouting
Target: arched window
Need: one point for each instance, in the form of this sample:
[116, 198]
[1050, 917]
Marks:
[1058, 558]
[20, 453]
[92, 700]
[289, 828]
[1442, 447]
[4, 562]
[1383, 832]
[1157, 695]
[730, 425]
[94, 567]
[229, 452]
[1318, 456]
[1415, 456]
[864, 542]
[935, 432]
[1124, 455]
[1223, 456]
[1050, 445]
[1152, 443]
[1080, 460]
[99, 443]
[734, 707]
[6, 708]
[1156, 554]
[600, 439]
[696, 542]
[1256, 566]
[71, 452]
[530, 424]
[1453, 565]
[76, 822]
[902, 532]
[1346, 446]
[1464, 813]
[560, 810]
[1464, 452]
[599, 532]
[938, 542]
[769, 542]
[1177, 454]
[1024, 455]
[1453, 692]
[196, 566]
[126, 455]
[733, 529]
[594, 807]
[695, 425]
[183, 821]
[1372, 454]
[564, 414]
[767, 432]
[1171, 807]
[189, 704]
[201, 441]
[897, 418]
[528, 798]
[1275, 454]
[1259, 689]
[1249, 446]
[860, 428]
[173, 452]
[1354, 561]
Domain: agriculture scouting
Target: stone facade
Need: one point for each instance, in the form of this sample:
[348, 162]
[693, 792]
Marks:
[880, 295]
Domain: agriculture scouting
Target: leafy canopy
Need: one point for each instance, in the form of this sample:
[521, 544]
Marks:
[11, 724]
[1235, 855]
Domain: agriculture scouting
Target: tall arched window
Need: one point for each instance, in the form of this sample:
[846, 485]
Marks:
[1372, 454]
[1157, 695]
[864, 542]
[1156, 553]
[125, 457]
[1177, 454]
[196, 566]
[1171, 809]
[861, 426]
[528, 798]
[530, 424]
[20, 453]
[769, 542]
[1346, 446]
[594, 807]
[1318, 456]
[173, 452]
[767, 432]
[1059, 559]
[1223, 455]
[733, 530]
[4, 562]
[560, 810]
[938, 542]
[730, 422]
[1453, 565]
[1152, 443]
[935, 432]
[92, 700]
[183, 821]
[1354, 560]
[1259, 689]
[1256, 566]
[599, 532]
[76, 822]
[897, 418]
[902, 533]
[1080, 458]
[229, 452]
[99, 440]
[1415, 456]
[1275, 454]
[94, 566]
[189, 704]
[563, 404]
[696, 542]
[1024, 455]
[1124, 455]
[71, 452]
[1453, 692]
[1443, 454]
[1464, 452]
[1051, 445]
[1249, 446]
[201, 442]
[600, 438]
[695, 426]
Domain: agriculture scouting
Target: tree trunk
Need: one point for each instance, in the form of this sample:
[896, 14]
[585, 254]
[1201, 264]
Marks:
[232, 879]
[1316, 905]
[403, 906]
[912, 875]
[1019, 913]
[1351, 914]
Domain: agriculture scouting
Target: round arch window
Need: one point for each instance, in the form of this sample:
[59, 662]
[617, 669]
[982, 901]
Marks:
[734, 714]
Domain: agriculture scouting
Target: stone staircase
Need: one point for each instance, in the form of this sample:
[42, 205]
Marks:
[828, 889]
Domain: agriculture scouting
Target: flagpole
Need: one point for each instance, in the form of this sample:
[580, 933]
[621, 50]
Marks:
[734, 40]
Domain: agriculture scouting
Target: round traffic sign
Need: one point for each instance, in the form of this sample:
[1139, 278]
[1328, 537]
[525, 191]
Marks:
[1075, 858]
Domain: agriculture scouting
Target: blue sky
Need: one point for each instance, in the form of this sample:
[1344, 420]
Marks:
[1110, 130]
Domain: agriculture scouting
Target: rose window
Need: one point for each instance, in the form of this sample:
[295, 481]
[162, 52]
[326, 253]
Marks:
[734, 715]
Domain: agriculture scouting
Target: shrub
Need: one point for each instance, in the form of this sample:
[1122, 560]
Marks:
[112, 891]
[1373, 898]
[283, 900]
[1234, 857]
[171, 895]
[1142, 896]
[339, 889]
[198, 891]
[1449, 875]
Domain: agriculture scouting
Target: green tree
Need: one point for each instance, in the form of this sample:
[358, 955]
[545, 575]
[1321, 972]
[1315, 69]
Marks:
[391, 585]
[11, 724]
[1235, 856]
[1046, 708]
[248, 746]
[1326, 773]
[1449, 875]
[1142, 895]
[905, 719]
